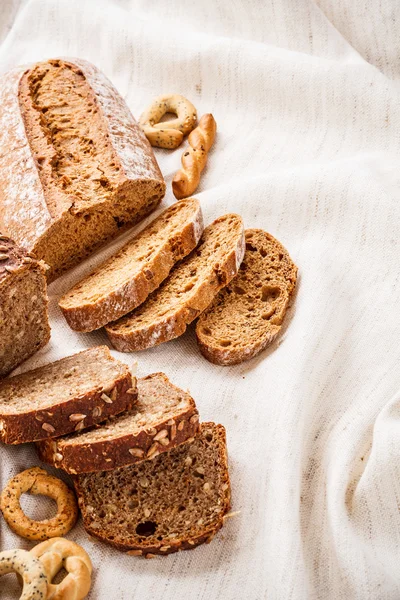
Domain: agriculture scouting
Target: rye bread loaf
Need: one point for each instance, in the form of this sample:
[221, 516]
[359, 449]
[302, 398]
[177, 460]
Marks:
[247, 315]
[174, 502]
[125, 280]
[64, 396]
[24, 321]
[77, 168]
[163, 417]
[189, 289]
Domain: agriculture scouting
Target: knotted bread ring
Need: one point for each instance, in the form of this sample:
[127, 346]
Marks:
[170, 133]
[31, 570]
[59, 553]
[38, 481]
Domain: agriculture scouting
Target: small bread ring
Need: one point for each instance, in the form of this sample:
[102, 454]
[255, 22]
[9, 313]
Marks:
[38, 481]
[31, 570]
[169, 134]
[58, 553]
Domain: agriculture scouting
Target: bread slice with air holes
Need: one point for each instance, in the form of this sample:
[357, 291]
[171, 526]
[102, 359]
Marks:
[64, 396]
[190, 288]
[174, 502]
[125, 280]
[247, 315]
[163, 417]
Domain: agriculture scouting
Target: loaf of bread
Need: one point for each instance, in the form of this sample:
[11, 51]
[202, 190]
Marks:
[64, 396]
[174, 502]
[24, 323]
[247, 315]
[163, 417]
[75, 167]
[190, 288]
[125, 280]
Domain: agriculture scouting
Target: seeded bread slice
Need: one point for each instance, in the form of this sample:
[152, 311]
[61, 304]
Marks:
[125, 280]
[174, 502]
[64, 396]
[163, 417]
[247, 315]
[189, 289]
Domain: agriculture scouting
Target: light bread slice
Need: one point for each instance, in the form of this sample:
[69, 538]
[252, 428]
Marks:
[247, 315]
[189, 289]
[125, 280]
[163, 417]
[174, 502]
[64, 396]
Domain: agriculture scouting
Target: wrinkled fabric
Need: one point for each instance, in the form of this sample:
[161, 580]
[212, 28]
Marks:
[307, 100]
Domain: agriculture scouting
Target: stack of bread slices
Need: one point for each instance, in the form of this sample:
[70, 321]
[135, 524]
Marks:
[238, 284]
[149, 478]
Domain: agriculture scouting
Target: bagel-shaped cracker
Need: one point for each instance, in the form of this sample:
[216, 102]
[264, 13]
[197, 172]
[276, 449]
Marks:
[59, 553]
[31, 570]
[38, 481]
[170, 133]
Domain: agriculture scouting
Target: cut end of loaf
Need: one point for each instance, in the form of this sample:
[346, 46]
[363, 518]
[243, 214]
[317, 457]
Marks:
[247, 315]
[174, 502]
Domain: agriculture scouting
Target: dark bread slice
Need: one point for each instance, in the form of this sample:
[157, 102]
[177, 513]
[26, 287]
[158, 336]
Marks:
[64, 396]
[24, 320]
[163, 417]
[247, 315]
[189, 289]
[174, 502]
[125, 280]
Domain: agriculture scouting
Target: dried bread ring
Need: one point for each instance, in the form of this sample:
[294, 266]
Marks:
[59, 553]
[38, 481]
[169, 134]
[31, 570]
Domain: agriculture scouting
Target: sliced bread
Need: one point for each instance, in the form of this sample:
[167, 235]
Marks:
[125, 280]
[189, 289]
[24, 321]
[64, 396]
[247, 315]
[163, 417]
[174, 502]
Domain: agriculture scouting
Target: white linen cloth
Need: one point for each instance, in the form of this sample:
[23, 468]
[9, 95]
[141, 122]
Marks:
[307, 100]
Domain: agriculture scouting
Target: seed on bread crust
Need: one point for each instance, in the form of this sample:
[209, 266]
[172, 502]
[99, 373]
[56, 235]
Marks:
[106, 398]
[48, 427]
[136, 452]
[77, 417]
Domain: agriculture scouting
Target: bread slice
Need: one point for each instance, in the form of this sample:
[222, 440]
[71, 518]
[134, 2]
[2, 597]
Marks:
[189, 289]
[24, 320]
[174, 502]
[64, 396]
[126, 279]
[247, 315]
[163, 417]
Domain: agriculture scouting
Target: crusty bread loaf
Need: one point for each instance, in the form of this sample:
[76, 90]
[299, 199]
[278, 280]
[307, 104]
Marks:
[64, 396]
[247, 315]
[77, 168]
[125, 280]
[24, 322]
[189, 289]
[163, 417]
[174, 502]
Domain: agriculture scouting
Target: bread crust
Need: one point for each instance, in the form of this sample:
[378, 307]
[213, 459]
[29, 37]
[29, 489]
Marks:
[33, 425]
[235, 355]
[164, 548]
[111, 454]
[91, 316]
[175, 324]
[34, 219]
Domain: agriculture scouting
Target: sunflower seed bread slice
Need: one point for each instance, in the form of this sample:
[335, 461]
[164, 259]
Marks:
[247, 315]
[189, 289]
[24, 321]
[125, 280]
[64, 396]
[174, 502]
[163, 417]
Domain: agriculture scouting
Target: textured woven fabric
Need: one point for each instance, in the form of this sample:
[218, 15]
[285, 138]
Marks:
[307, 100]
